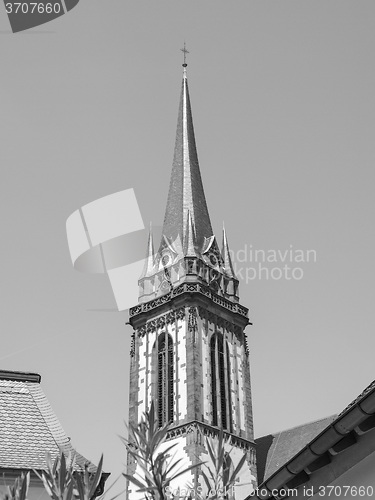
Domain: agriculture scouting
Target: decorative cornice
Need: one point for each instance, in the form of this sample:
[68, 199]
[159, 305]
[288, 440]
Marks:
[161, 321]
[219, 321]
[209, 431]
[189, 288]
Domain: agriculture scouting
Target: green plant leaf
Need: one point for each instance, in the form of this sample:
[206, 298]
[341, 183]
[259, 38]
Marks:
[80, 487]
[134, 480]
[68, 493]
[25, 481]
[97, 478]
[237, 470]
[206, 480]
[210, 452]
[62, 473]
[187, 469]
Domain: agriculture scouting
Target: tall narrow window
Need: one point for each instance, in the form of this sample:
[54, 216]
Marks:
[165, 378]
[220, 383]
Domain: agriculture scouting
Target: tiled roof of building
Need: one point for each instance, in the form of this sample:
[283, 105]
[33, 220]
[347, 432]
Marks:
[274, 450]
[29, 427]
[364, 393]
[293, 458]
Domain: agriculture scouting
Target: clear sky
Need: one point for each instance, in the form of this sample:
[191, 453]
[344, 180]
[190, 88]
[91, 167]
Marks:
[284, 111]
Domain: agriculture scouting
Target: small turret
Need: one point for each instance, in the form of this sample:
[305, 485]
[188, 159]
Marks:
[230, 281]
[189, 239]
[148, 269]
[225, 253]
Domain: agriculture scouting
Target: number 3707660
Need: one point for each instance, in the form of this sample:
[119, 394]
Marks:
[32, 8]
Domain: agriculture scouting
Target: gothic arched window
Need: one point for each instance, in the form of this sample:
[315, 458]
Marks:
[165, 378]
[220, 383]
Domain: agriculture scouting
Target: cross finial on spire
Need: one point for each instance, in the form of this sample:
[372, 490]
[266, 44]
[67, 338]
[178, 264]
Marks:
[185, 51]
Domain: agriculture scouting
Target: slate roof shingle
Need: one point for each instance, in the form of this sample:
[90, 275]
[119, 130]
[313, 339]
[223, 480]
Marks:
[274, 450]
[186, 193]
[28, 426]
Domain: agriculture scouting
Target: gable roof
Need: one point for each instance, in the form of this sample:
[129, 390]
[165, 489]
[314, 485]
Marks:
[29, 427]
[341, 444]
[276, 449]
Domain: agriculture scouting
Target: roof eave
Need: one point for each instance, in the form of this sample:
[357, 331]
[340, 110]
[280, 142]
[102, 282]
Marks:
[339, 431]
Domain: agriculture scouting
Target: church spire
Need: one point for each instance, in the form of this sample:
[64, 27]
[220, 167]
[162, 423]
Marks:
[186, 194]
[189, 355]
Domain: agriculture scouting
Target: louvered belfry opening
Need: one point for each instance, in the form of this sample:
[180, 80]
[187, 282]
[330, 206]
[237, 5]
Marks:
[220, 383]
[165, 379]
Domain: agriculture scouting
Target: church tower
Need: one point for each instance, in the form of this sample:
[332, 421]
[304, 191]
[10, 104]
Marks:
[189, 351]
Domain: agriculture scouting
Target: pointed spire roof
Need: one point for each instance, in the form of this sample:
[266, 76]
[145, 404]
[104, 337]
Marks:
[149, 261]
[186, 194]
[225, 253]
